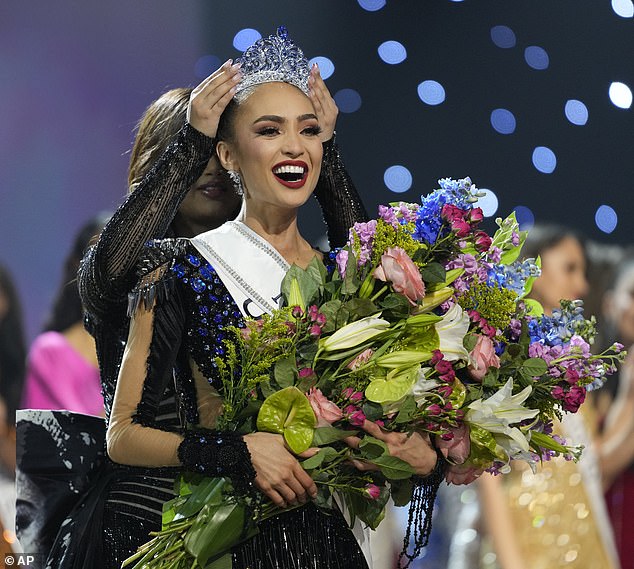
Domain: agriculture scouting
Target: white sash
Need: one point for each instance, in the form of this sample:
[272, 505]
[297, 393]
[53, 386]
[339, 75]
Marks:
[252, 270]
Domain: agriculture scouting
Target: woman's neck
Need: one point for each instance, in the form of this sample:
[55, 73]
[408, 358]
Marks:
[279, 228]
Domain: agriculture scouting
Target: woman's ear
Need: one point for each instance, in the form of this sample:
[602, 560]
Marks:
[226, 155]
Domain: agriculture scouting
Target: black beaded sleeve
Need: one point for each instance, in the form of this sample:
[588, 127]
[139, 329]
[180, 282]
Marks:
[107, 271]
[338, 198]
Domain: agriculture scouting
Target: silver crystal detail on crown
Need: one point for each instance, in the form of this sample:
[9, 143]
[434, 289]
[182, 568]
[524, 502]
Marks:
[275, 58]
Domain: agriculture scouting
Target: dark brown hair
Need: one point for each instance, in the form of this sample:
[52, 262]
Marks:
[156, 129]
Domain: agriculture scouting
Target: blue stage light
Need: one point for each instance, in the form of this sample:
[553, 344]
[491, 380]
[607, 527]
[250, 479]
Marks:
[245, 38]
[392, 52]
[606, 218]
[431, 92]
[536, 57]
[503, 36]
[623, 8]
[503, 121]
[576, 112]
[525, 217]
[372, 5]
[544, 159]
[206, 65]
[488, 202]
[620, 95]
[348, 100]
[398, 179]
[326, 66]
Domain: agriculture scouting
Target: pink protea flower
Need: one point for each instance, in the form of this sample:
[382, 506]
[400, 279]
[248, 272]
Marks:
[362, 359]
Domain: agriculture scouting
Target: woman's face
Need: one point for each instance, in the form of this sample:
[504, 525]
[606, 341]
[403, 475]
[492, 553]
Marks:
[210, 202]
[563, 274]
[275, 147]
[622, 308]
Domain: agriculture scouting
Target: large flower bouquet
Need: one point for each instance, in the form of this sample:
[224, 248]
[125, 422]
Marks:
[422, 324]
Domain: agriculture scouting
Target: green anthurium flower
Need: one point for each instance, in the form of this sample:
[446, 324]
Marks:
[289, 413]
[394, 386]
[354, 334]
[451, 330]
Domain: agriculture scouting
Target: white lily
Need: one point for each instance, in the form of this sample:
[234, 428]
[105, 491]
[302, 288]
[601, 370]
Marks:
[451, 330]
[354, 334]
[496, 415]
[423, 386]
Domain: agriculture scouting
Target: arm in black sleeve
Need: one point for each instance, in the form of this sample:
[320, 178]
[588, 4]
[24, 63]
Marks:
[340, 203]
[107, 271]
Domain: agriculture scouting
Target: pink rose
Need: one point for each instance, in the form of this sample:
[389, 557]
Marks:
[372, 491]
[461, 474]
[482, 241]
[457, 449]
[397, 267]
[325, 410]
[483, 357]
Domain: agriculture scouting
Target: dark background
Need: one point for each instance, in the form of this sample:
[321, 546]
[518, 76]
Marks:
[76, 76]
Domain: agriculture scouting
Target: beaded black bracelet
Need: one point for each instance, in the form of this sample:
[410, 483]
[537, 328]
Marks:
[218, 454]
[421, 508]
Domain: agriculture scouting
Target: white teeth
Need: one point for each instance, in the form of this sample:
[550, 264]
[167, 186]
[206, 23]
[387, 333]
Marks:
[288, 169]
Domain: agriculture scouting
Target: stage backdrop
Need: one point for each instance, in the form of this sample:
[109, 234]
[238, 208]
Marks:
[530, 99]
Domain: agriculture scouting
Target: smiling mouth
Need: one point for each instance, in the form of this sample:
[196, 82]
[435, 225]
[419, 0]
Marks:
[291, 175]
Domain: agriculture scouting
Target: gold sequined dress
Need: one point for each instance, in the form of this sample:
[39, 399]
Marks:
[559, 514]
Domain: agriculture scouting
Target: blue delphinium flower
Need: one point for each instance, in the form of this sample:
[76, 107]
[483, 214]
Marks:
[514, 276]
[429, 223]
[561, 326]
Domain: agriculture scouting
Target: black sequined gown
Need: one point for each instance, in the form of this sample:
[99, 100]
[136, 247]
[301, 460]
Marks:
[129, 499]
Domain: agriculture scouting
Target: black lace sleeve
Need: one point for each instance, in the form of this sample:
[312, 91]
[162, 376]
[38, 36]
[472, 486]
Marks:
[107, 271]
[340, 203]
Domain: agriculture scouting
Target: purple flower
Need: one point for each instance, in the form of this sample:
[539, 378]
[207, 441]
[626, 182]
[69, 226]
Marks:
[342, 261]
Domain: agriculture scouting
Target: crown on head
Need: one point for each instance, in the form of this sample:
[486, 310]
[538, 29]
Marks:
[275, 58]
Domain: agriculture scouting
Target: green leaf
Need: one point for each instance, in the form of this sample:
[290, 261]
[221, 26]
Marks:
[351, 280]
[325, 454]
[372, 411]
[224, 562]
[361, 307]
[528, 285]
[209, 491]
[216, 531]
[401, 491]
[406, 410]
[326, 435]
[397, 304]
[394, 468]
[308, 350]
[491, 377]
[433, 273]
[285, 371]
[372, 448]
[336, 315]
[534, 307]
[288, 412]
[533, 367]
[470, 341]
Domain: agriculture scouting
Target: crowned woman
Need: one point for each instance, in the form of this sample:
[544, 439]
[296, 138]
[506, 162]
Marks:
[189, 292]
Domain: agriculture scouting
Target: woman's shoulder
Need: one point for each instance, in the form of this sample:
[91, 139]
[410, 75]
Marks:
[50, 341]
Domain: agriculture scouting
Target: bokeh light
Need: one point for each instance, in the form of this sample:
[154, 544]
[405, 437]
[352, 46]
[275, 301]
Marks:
[536, 57]
[488, 202]
[326, 66]
[606, 218]
[392, 52]
[623, 8]
[372, 5]
[503, 37]
[525, 217]
[620, 95]
[576, 112]
[503, 121]
[246, 37]
[398, 179]
[431, 92]
[544, 159]
[348, 100]
[205, 65]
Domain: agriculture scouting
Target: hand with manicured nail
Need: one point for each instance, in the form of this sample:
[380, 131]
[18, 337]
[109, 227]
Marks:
[210, 98]
[324, 105]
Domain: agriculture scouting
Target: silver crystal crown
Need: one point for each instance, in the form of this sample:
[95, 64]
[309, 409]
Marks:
[275, 58]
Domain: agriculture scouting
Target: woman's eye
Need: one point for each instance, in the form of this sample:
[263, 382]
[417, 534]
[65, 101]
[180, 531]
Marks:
[312, 131]
[268, 131]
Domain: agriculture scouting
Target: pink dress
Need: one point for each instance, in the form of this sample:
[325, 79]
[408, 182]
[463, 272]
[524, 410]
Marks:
[58, 377]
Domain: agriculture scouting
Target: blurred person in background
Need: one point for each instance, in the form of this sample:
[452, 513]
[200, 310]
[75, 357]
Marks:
[556, 517]
[12, 362]
[62, 370]
[618, 466]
